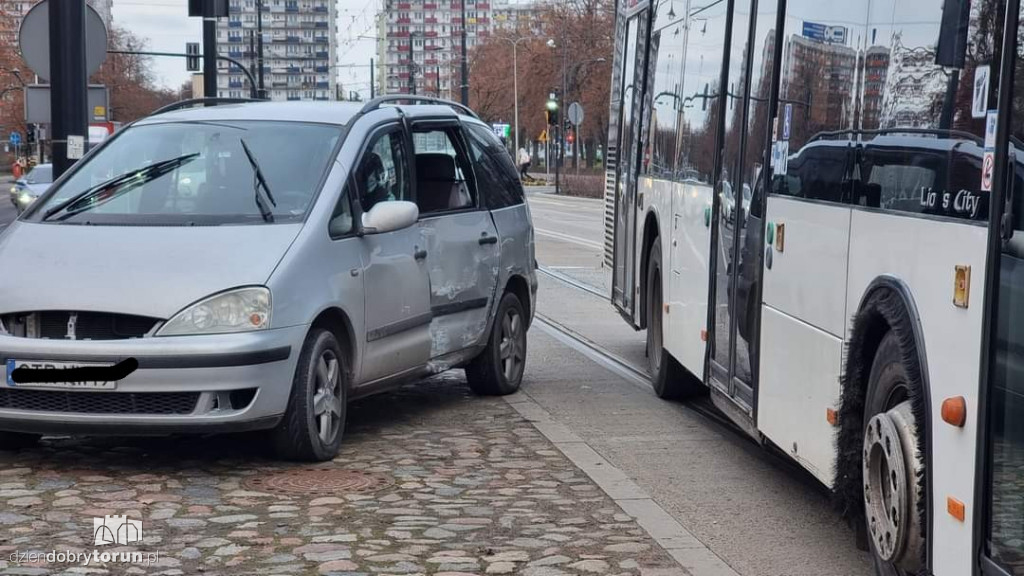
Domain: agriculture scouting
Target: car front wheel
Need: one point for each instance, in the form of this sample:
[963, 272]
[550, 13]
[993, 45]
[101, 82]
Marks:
[315, 419]
[498, 370]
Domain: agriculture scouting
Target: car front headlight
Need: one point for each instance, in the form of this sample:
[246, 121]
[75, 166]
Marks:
[240, 310]
[26, 198]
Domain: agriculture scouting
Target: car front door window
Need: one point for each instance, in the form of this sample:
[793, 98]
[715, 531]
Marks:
[383, 174]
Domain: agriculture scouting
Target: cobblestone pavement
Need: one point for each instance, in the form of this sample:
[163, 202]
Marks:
[450, 484]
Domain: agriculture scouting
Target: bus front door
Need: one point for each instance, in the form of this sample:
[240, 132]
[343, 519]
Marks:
[624, 285]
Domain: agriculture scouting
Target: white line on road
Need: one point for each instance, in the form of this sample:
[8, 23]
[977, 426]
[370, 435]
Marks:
[569, 238]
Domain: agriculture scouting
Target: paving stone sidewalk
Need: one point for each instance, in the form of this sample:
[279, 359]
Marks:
[446, 483]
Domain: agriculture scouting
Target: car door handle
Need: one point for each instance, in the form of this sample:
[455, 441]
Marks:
[419, 254]
[485, 239]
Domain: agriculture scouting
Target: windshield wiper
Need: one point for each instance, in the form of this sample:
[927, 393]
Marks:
[261, 182]
[119, 184]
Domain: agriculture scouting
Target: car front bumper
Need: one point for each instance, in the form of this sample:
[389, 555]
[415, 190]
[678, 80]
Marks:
[258, 367]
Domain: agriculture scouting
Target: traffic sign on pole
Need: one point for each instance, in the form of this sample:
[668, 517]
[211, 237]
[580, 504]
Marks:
[15, 139]
[576, 113]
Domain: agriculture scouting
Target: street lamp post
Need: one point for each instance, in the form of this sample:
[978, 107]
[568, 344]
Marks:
[515, 83]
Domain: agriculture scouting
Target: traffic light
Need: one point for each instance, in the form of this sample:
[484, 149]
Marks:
[30, 134]
[552, 111]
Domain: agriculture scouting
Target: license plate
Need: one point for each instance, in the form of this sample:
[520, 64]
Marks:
[12, 365]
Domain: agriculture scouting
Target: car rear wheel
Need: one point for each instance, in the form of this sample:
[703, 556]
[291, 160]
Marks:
[315, 419]
[498, 370]
[17, 440]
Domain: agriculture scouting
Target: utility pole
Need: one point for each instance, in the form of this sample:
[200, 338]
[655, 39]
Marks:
[373, 91]
[68, 82]
[252, 58]
[561, 122]
[465, 61]
[259, 48]
[209, 52]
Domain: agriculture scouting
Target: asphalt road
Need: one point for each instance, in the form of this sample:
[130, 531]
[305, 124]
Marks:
[757, 511]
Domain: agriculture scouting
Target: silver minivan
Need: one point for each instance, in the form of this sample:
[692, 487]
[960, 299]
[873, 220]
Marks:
[259, 265]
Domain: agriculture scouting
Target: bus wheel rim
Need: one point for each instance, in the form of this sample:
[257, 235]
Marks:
[891, 492]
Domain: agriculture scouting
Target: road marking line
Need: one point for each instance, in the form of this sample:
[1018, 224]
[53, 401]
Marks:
[568, 238]
[691, 554]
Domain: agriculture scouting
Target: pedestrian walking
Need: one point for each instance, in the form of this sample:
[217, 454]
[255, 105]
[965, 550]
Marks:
[524, 163]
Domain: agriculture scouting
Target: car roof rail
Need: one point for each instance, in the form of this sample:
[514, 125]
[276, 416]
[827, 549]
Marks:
[396, 98]
[189, 103]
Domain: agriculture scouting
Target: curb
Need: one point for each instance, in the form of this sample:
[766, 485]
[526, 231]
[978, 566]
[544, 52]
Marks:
[691, 554]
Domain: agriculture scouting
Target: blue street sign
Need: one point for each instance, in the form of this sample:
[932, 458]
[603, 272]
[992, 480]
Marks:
[15, 138]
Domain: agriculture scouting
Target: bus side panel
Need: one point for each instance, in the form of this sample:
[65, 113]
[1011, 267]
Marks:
[689, 241]
[922, 253]
[807, 277]
[803, 316]
[800, 370]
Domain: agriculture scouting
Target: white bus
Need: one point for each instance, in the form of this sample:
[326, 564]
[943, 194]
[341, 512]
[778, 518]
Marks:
[817, 213]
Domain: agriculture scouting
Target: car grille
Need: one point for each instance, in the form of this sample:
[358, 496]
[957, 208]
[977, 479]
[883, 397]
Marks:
[57, 325]
[99, 402]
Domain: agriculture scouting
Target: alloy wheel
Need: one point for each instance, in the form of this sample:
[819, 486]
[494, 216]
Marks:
[512, 350]
[327, 402]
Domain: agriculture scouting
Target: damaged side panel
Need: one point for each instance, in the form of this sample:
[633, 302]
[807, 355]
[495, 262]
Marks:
[462, 254]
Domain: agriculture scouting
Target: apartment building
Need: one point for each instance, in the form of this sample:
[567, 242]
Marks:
[299, 48]
[421, 41]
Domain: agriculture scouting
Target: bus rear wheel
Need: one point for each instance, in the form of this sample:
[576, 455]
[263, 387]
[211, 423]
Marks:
[893, 467]
[670, 380]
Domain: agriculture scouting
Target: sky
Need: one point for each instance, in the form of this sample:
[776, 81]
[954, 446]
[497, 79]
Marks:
[166, 27]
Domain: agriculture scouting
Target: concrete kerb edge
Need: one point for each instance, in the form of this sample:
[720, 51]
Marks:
[691, 554]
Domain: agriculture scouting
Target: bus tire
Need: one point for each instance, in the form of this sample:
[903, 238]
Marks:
[670, 380]
[893, 467]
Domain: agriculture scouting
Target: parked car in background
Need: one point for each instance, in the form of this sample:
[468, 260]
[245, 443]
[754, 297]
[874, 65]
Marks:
[314, 253]
[28, 188]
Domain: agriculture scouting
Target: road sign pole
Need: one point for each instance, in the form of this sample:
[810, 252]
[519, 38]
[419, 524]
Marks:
[68, 81]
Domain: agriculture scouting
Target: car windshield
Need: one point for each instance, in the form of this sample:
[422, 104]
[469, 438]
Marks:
[40, 175]
[211, 183]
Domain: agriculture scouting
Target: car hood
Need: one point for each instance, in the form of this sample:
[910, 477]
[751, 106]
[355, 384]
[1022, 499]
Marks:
[36, 189]
[144, 270]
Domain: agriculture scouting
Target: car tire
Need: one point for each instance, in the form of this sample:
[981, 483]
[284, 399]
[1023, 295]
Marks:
[314, 421]
[670, 380]
[18, 440]
[498, 370]
[895, 509]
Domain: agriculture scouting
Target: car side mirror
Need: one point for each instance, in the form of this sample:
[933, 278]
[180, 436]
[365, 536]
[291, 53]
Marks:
[390, 216]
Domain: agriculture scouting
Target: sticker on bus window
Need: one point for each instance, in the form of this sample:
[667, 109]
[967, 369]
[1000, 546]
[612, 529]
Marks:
[980, 101]
[990, 130]
[987, 167]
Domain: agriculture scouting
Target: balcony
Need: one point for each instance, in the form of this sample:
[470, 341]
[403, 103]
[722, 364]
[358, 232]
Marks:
[321, 54]
[292, 39]
[404, 6]
[321, 40]
[234, 23]
[323, 84]
[235, 53]
[291, 7]
[293, 97]
[235, 84]
[234, 38]
[293, 70]
[320, 9]
[234, 9]
[431, 34]
[322, 69]
[321, 25]
[403, 20]
[430, 20]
